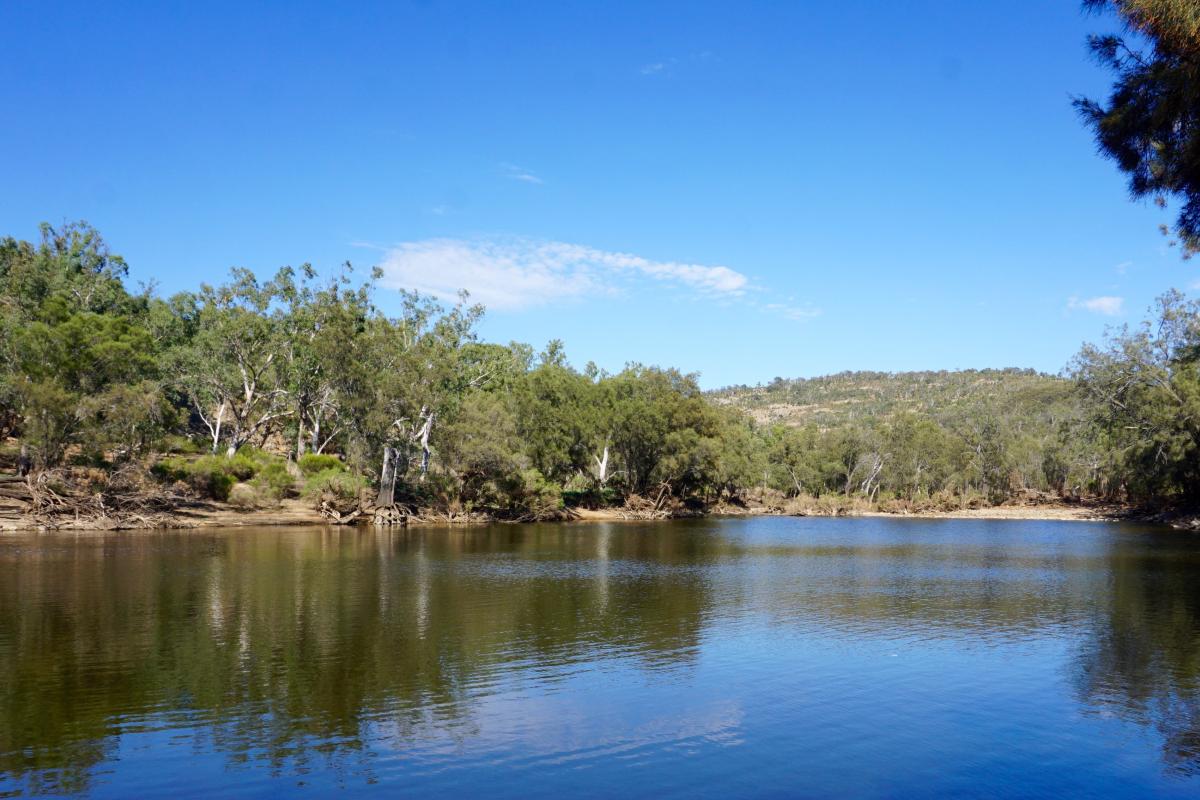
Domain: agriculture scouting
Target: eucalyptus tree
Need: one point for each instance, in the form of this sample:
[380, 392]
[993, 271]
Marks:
[659, 419]
[413, 372]
[923, 455]
[792, 456]
[558, 416]
[71, 335]
[322, 324]
[1144, 388]
[232, 368]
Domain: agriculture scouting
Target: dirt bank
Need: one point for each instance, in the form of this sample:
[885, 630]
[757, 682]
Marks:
[191, 515]
[297, 512]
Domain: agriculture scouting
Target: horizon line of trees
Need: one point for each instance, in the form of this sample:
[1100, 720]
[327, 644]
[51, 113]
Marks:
[416, 405]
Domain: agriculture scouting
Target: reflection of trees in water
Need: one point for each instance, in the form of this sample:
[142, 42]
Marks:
[1138, 596]
[1143, 662]
[289, 648]
[292, 650]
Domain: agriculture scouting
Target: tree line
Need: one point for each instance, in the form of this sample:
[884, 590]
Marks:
[302, 378]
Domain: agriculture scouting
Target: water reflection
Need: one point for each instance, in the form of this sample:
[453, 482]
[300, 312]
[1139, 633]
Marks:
[363, 655]
[1142, 661]
[277, 641]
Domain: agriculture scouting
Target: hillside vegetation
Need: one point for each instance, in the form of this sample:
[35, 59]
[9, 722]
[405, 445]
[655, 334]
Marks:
[302, 387]
[911, 435]
[833, 400]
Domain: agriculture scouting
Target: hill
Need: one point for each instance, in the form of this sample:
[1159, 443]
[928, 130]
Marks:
[832, 401]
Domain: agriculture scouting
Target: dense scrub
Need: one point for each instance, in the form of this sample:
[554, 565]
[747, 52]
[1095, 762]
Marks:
[302, 386]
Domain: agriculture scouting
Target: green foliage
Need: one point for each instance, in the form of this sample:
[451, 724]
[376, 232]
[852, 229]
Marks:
[49, 419]
[914, 435]
[75, 356]
[250, 370]
[1149, 125]
[273, 480]
[180, 444]
[535, 497]
[557, 417]
[71, 270]
[203, 475]
[336, 483]
[312, 463]
[214, 476]
[127, 419]
[1144, 391]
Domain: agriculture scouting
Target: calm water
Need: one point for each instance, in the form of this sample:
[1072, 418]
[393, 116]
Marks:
[768, 657]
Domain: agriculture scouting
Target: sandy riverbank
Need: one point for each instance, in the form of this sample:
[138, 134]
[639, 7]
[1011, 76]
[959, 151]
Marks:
[297, 512]
[1057, 512]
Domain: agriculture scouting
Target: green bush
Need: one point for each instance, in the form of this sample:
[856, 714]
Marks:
[214, 476]
[333, 483]
[241, 466]
[50, 420]
[593, 498]
[212, 482]
[535, 497]
[273, 480]
[313, 463]
[173, 443]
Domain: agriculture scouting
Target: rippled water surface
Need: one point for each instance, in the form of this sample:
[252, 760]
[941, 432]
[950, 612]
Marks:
[769, 657]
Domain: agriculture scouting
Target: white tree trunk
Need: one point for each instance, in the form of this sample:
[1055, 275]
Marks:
[424, 439]
[387, 479]
[602, 468]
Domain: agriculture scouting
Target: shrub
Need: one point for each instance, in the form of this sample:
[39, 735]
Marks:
[215, 484]
[214, 476]
[168, 469]
[273, 480]
[241, 466]
[579, 484]
[173, 443]
[249, 460]
[201, 475]
[126, 420]
[312, 463]
[50, 420]
[593, 498]
[334, 484]
[535, 497]
[244, 496]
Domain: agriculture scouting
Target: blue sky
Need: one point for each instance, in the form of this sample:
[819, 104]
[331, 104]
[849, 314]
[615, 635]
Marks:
[741, 189]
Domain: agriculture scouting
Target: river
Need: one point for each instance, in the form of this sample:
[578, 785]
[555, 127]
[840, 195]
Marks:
[748, 657]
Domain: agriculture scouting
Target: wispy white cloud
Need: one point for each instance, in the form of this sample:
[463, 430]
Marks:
[1107, 305]
[1195, 285]
[1123, 267]
[654, 68]
[520, 174]
[517, 273]
[796, 312]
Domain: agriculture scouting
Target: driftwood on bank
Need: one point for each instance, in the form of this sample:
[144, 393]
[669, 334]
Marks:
[389, 515]
[69, 499]
[335, 516]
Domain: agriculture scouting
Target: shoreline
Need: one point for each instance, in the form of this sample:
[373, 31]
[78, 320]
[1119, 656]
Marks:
[298, 513]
